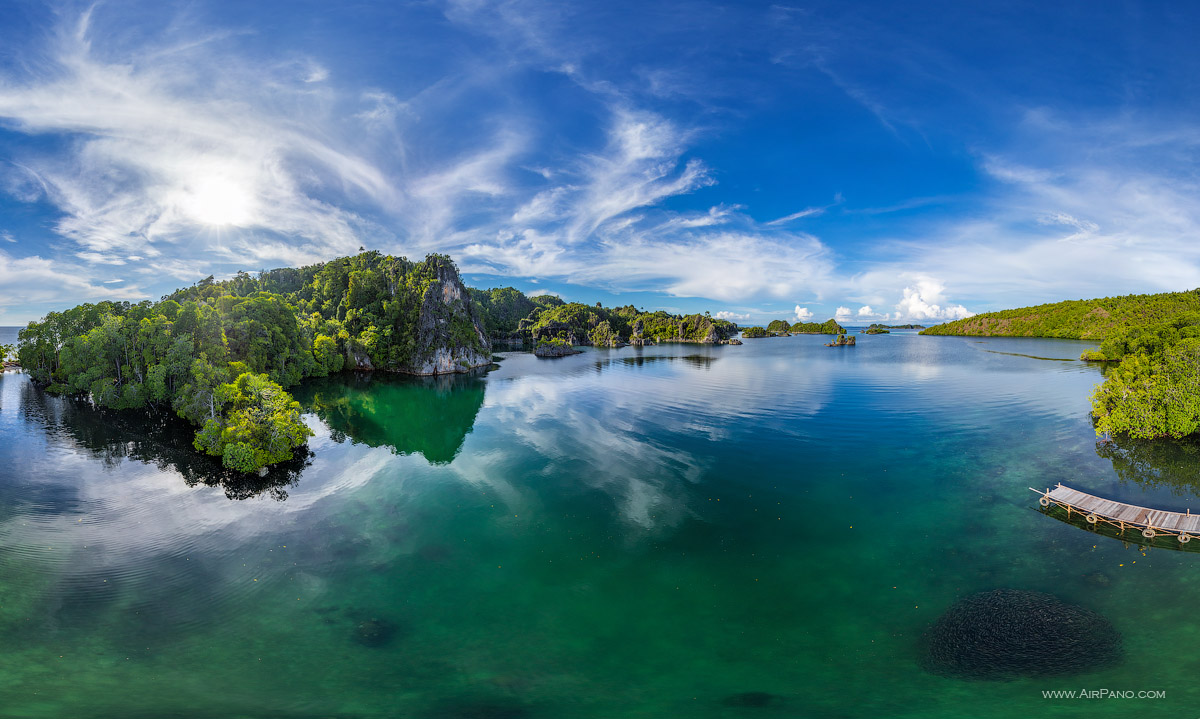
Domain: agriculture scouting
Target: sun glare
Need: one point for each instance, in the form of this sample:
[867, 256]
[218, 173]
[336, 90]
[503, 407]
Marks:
[218, 200]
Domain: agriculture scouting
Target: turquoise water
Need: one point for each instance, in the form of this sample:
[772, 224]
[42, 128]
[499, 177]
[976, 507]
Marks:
[753, 531]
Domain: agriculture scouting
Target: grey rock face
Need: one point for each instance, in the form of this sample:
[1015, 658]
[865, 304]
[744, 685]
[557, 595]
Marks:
[450, 337]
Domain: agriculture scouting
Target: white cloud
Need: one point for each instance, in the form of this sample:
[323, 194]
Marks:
[731, 316]
[7, 236]
[315, 72]
[866, 311]
[1062, 218]
[924, 302]
[37, 281]
[161, 166]
[724, 265]
[841, 314]
[807, 212]
[1125, 190]
[543, 293]
[803, 314]
[639, 168]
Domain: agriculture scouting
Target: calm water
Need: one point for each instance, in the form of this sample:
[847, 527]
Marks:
[615, 534]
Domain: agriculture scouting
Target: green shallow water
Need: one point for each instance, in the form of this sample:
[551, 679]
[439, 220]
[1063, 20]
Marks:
[625, 533]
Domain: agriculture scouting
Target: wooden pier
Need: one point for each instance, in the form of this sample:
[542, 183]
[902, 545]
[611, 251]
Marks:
[1150, 523]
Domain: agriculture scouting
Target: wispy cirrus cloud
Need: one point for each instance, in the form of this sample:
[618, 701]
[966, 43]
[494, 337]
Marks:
[155, 159]
[157, 170]
[37, 281]
[602, 146]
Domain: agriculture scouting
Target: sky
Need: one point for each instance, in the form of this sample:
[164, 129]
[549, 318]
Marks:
[896, 162]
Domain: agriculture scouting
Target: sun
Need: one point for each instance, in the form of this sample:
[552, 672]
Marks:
[218, 200]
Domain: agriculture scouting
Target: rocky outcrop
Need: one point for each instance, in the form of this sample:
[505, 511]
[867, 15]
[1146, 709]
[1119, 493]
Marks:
[560, 330]
[357, 358]
[450, 337]
[555, 349]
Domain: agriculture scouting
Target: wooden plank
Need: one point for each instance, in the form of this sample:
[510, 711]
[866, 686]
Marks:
[1130, 514]
[1166, 520]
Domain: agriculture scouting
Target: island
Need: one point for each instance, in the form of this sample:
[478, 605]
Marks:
[781, 328]
[828, 327]
[1154, 391]
[222, 354]
[554, 347]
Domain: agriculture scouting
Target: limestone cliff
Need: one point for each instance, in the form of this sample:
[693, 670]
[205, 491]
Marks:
[450, 336]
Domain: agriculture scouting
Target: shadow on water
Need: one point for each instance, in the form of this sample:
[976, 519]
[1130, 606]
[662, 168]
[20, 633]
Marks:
[431, 416]
[1131, 536]
[158, 438]
[1154, 464]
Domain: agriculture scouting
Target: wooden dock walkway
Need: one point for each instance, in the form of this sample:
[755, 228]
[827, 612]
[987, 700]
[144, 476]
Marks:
[1150, 522]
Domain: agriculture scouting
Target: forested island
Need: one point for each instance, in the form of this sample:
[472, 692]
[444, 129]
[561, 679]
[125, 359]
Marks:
[1074, 319]
[221, 354]
[781, 328]
[1155, 390]
[509, 316]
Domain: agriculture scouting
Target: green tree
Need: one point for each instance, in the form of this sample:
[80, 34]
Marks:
[261, 426]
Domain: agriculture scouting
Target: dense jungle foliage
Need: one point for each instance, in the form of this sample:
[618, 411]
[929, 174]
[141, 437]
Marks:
[828, 327]
[578, 323]
[220, 354]
[1075, 319]
[1155, 391]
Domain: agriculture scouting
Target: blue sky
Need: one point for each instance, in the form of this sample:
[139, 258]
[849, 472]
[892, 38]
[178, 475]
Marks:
[901, 161]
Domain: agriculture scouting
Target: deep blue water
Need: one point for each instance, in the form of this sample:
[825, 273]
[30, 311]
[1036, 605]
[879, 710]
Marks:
[764, 530]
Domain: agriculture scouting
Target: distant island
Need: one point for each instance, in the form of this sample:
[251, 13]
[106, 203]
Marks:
[1074, 319]
[220, 354]
[1155, 391]
[781, 328]
[878, 329]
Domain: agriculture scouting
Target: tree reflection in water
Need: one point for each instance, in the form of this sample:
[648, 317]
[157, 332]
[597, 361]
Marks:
[431, 416]
[1155, 463]
[158, 438]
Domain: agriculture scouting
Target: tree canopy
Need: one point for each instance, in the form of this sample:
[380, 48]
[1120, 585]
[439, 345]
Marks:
[220, 354]
[1075, 319]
